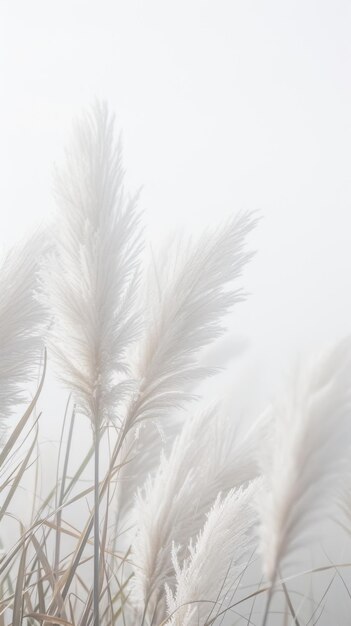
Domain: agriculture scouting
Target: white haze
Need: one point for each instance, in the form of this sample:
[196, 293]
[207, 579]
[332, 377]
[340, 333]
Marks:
[223, 106]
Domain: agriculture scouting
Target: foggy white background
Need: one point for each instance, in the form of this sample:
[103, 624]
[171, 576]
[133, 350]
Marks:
[224, 106]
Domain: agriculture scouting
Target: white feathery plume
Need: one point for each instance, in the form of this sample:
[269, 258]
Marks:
[22, 320]
[205, 581]
[173, 505]
[92, 279]
[305, 457]
[189, 291]
[192, 295]
[93, 283]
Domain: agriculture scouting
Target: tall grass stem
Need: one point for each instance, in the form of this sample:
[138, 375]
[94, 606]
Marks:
[96, 526]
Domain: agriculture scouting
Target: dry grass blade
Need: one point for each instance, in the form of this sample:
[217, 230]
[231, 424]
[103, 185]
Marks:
[12, 440]
[18, 478]
[67, 578]
[18, 600]
[48, 619]
[40, 588]
[49, 574]
[290, 605]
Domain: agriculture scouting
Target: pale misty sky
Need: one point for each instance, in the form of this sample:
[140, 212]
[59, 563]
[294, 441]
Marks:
[224, 106]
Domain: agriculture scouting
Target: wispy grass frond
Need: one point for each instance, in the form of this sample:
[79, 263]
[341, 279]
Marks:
[305, 458]
[164, 530]
[93, 284]
[205, 582]
[93, 276]
[22, 320]
[172, 507]
[193, 291]
[189, 291]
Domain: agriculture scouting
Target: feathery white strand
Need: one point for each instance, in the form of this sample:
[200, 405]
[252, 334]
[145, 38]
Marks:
[189, 291]
[194, 293]
[306, 455]
[93, 276]
[206, 580]
[172, 507]
[22, 319]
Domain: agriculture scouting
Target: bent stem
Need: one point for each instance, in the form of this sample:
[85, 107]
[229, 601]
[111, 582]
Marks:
[286, 593]
[289, 603]
[96, 527]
